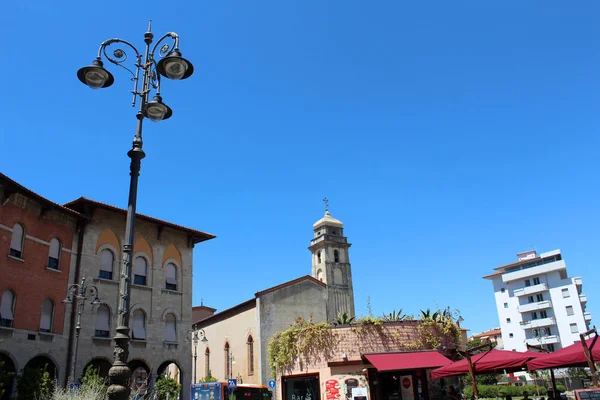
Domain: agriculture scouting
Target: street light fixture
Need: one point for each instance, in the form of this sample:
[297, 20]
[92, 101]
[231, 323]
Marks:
[171, 66]
[77, 292]
[194, 335]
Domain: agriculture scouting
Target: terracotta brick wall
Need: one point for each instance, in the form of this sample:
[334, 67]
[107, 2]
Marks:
[29, 278]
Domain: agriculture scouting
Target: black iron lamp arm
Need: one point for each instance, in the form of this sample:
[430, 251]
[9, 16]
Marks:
[166, 49]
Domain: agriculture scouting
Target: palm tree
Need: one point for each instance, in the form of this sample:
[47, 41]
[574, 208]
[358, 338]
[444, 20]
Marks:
[343, 319]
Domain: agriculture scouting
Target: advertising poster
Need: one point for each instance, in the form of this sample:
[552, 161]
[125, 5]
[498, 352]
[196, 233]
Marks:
[406, 387]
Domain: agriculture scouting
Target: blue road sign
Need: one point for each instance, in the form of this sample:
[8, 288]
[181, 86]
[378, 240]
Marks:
[74, 386]
[272, 383]
[231, 383]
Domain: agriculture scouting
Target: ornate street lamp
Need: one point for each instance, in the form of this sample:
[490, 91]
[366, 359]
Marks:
[77, 292]
[171, 66]
[195, 335]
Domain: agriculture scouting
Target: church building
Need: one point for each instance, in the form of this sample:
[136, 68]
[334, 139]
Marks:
[238, 337]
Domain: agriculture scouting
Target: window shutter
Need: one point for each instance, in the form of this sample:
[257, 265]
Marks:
[171, 274]
[106, 260]
[139, 322]
[140, 266]
[47, 311]
[16, 241]
[170, 328]
[6, 307]
[103, 319]
[54, 248]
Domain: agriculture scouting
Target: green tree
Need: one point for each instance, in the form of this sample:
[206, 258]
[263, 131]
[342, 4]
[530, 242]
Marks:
[578, 373]
[92, 380]
[34, 384]
[208, 378]
[167, 386]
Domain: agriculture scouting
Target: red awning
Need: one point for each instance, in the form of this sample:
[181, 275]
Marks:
[570, 356]
[492, 360]
[413, 360]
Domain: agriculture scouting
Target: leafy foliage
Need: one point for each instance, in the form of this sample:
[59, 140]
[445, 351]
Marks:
[167, 386]
[304, 340]
[495, 391]
[34, 384]
[93, 381]
[578, 373]
[437, 330]
[343, 319]
[208, 378]
[395, 316]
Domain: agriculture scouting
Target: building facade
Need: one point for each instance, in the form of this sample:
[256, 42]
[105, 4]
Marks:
[161, 293]
[538, 303]
[36, 252]
[493, 335]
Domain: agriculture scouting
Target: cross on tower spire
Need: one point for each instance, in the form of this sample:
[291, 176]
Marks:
[326, 204]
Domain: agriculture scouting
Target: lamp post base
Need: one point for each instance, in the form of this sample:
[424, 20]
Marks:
[120, 374]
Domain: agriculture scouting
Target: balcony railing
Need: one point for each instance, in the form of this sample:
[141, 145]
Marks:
[531, 290]
[537, 323]
[587, 316]
[539, 305]
[534, 271]
[540, 340]
[583, 298]
[577, 280]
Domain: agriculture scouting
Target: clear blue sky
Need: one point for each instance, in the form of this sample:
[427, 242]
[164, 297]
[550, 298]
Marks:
[448, 136]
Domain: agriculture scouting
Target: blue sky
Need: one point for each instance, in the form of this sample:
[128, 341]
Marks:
[448, 136]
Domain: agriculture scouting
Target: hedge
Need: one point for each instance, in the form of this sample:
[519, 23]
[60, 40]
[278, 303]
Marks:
[493, 391]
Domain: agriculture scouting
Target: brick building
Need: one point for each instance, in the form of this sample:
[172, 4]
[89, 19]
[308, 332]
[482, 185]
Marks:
[36, 248]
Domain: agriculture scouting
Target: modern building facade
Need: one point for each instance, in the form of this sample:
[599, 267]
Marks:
[538, 303]
[37, 248]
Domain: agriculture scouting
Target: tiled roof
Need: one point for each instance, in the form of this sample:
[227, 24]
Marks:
[491, 332]
[198, 236]
[13, 186]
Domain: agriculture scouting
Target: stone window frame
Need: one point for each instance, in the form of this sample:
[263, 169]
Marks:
[178, 277]
[146, 258]
[116, 264]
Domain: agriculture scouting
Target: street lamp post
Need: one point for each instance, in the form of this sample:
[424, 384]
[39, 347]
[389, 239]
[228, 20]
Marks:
[172, 66]
[77, 292]
[194, 335]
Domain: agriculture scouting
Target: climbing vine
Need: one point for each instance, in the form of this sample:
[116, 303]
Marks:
[304, 340]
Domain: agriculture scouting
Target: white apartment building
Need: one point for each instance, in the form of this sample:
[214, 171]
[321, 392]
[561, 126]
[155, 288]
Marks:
[538, 303]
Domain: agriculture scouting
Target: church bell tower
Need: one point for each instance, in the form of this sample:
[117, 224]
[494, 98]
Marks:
[331, 264]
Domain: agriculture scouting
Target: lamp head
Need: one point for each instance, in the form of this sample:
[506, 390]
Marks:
[157, 111]
[95, 75]
[175, 67]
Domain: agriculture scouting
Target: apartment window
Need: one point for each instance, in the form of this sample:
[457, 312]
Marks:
[250, 344]
[140, 271]
[102, 322]
[502, 290]
[536, 333]
[551, 347]
[510, 335]
[565, 293]
[530, 299]
[16, 241]
[7, 308]
[227, 360]
[505, 305]
[540, 297]
[543, 314]
[570, 310]
[574, 328]
[536, 281]
[54, 254]
[534, 315]
[547, 331]
[47, 316]
[207, 362]
[508, 320]
[139, 325]
[107, 259]
[170, 328]
[527, 282]
[171, 277]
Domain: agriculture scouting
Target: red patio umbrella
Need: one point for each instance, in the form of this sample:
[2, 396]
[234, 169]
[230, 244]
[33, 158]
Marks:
[487, 362]
[570, 356]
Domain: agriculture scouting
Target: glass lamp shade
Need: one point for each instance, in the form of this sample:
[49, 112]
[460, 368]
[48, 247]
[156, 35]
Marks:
[157, 111]
[95, 76]
[175, 67]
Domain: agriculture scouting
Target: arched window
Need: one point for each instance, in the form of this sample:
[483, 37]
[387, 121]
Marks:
[107, 260]
[250, 344]
[54, 254]
[319, 256]
[16, 241]
[207, 362]
[336, 256]
[227, 360]
[170, 328]
[47, 316]
[139, 325]
[140, 271]
[7, 308]
[171, 277]
[102, 322]
[320, 275]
